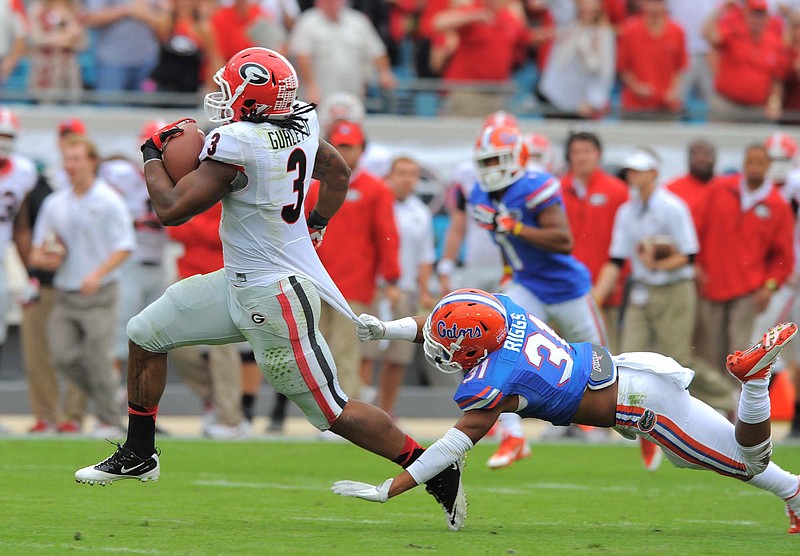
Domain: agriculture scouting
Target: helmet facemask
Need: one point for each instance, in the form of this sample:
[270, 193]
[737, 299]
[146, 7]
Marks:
[497, 168]
[217, 105]
[443, 357]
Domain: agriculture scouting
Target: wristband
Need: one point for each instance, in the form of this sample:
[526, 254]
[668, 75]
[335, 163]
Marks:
[445, 267]
[771, 284]
[401, 329]
[516, 229]
[442, 453]
[316, 220]
[507, 270]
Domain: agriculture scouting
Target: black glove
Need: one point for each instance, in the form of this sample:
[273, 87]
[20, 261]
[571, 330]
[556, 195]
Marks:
[154, 146]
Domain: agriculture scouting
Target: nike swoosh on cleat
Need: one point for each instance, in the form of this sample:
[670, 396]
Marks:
[128, 470]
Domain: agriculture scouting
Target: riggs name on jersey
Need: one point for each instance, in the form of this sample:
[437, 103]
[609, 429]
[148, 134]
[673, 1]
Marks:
[516, 332]
[283, 138]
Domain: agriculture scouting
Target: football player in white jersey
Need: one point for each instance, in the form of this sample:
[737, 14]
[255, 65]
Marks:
[259, 164]
[17, 178]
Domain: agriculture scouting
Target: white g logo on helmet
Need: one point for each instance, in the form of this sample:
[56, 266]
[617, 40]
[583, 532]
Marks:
[254, 74]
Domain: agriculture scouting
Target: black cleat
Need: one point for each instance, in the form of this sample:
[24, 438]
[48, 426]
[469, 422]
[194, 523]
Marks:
[123, 464]
[447, 489]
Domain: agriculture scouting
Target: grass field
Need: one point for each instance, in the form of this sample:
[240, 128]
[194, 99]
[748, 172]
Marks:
[274, 498]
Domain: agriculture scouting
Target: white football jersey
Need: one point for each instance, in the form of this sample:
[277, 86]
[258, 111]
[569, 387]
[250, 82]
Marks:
[17, 178]
[127, 179]
[263, 229]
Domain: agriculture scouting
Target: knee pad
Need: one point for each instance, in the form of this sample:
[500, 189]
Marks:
[756, 458]
[140, 331]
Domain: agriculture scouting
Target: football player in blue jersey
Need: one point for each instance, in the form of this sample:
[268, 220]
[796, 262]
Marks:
[524, 210]
[516, 363]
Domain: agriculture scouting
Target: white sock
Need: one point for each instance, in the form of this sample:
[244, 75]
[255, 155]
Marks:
[754, 402]
[511, 425]
[777, 481]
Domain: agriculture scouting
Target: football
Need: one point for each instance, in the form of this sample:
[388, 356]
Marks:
[660, 245]
[180, 153]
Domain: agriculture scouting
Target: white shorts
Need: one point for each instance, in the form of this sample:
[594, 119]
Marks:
[279, 322]
[653, 402]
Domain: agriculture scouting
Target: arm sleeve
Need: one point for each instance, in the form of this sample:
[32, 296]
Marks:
[622, 246]
[477, 395]
[780, 257]
[386, 235]
[681, 228]
[543, 195]
[43, 225]
[121, 227]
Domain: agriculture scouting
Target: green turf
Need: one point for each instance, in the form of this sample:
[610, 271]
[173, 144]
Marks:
[273, 498]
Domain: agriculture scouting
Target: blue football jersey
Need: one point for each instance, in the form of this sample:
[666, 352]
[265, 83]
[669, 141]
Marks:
[548, 373]
[552, 277]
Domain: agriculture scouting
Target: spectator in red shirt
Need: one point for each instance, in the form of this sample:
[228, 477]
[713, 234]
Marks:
[242, 25]
[651, 60]
[693, 187]
[791, 87]
[360, 245]
[746, 253]
[591, 200]
[751, 64]
[489, 37]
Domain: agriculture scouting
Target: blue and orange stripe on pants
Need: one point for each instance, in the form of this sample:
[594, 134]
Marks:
[671, 437]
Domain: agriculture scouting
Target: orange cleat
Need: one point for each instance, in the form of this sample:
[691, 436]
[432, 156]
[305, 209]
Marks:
[512, 448]
[651, 454]
[793, 511]
[756, 362]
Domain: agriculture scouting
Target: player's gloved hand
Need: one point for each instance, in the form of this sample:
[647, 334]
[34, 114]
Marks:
[372, 493]
[153, 147]
[497, 220]
[504, 223]
[369, 328]
[484, 215]
[316, 227]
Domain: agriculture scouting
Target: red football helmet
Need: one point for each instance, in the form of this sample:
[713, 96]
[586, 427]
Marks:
[463, 329]
[256, 82]
[9, 128]
[500, 156]
[782, 150]
[500, 117]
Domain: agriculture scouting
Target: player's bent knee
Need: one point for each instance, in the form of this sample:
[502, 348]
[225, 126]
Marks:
[756, 458]
[140, 331]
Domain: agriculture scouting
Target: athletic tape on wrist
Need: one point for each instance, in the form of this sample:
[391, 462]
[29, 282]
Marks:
[401, 329]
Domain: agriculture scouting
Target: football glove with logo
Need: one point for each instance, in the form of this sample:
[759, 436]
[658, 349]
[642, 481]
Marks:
[153, 147]
[316, 227]
[497, 220]
[369, 328]
[372, 493]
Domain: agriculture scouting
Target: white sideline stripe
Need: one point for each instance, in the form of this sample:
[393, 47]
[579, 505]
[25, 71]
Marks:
[275, 486]
[342, 520]
[719, 521]
[77, 546]
[525, 489]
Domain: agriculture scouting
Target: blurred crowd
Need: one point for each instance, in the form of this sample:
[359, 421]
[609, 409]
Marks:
[694, 268]
[578, 58]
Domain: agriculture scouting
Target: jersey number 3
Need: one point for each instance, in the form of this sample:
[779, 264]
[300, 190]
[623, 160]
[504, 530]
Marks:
[297, 163]
[556, 354]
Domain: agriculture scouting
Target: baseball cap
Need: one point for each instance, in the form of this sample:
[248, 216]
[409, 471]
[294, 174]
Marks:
[641, 160]
[346, 133]
[757, 5]
[71, 125]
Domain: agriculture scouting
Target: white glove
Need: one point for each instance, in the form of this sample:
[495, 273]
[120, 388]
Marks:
[372, 493]
[316, 237]
[369, 328]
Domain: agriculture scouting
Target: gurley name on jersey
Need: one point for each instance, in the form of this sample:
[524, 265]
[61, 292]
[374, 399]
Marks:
[283, 138]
